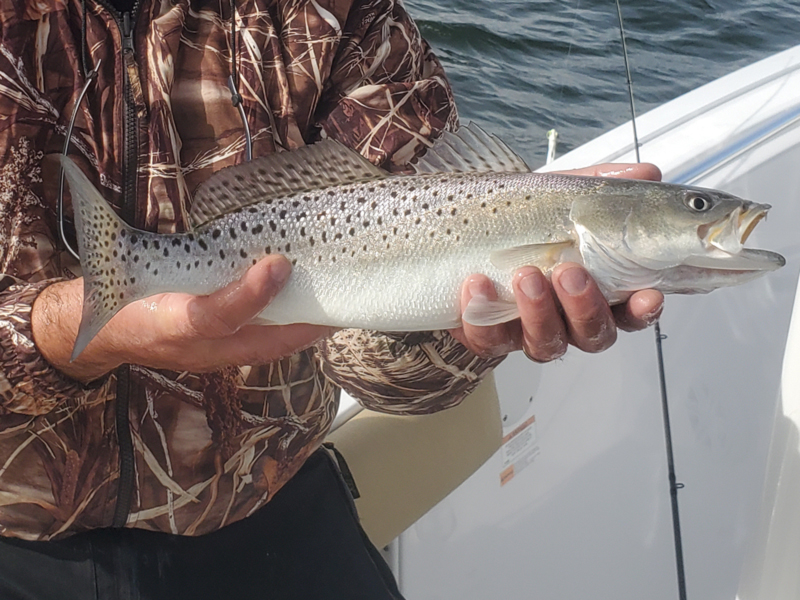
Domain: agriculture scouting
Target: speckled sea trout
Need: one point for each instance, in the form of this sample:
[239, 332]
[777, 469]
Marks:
[390, 252]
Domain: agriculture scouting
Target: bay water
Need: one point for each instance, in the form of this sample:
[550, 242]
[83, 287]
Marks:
[519, 69]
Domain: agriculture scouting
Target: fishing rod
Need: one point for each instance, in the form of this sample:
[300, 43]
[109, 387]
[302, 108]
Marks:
[674, 486]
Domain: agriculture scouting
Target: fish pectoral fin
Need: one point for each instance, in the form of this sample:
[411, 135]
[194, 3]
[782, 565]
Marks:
[545, 256]
[484, 312]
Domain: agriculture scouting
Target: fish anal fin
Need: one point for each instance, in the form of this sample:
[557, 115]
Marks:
[544, 256]
[484, 312]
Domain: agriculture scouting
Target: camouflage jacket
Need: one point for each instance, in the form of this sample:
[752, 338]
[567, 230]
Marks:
[182, 452]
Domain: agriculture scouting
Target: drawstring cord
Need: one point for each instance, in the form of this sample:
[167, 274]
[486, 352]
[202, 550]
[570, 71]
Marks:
[233, 86]
[90, 77]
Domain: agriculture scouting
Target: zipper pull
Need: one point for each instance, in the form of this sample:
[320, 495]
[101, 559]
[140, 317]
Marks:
[129, 58]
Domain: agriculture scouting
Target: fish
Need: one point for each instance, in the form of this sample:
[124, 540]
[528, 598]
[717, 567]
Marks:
[389, 252]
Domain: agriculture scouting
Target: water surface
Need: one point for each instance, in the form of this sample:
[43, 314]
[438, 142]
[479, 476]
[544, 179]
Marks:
[521, 68]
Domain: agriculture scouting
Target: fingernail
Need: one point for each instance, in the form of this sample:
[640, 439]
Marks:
[279, 271]
[476, 288]
[574, 281]
[652, 317]
[532, 286]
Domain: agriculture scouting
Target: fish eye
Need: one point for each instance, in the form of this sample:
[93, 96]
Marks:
[698, 202]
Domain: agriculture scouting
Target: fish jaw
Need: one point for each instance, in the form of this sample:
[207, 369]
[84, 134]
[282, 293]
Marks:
[691, 279]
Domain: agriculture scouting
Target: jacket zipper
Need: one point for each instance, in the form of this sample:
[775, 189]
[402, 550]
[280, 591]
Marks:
[135, 108]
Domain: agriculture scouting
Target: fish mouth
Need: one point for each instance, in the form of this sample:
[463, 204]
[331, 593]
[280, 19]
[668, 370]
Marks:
[749, 218]
[724, 241]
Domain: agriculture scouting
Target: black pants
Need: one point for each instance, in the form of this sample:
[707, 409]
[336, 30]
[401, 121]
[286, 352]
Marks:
[306, 544]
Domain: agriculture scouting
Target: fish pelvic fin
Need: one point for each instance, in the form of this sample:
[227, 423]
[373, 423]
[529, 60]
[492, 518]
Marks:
[102, 237]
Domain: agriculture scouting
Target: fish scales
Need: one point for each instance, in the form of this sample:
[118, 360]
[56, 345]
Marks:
[390, 252]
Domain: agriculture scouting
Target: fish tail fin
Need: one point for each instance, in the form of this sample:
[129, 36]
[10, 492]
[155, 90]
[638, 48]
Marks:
[108, 285]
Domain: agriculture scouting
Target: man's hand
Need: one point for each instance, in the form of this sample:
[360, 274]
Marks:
[173, 331]
[587, 321]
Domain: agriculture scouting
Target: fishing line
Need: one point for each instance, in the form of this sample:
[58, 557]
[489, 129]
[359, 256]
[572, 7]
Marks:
[674, 486]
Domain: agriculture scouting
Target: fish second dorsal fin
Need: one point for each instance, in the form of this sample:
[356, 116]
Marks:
[324, 164]
[470, 149]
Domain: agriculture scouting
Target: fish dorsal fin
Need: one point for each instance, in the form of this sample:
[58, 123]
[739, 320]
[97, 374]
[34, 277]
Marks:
[320, 165]
[470, 149]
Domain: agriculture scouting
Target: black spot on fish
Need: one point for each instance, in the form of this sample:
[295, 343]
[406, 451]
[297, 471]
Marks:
[242, 253]
[196, 263]
[282, 214]
[324, 236]
[178, 264]
[453, 212]
[222, 254]
[273, 226]
[215, 234]
[133, 280]
[202, 243]
[257, 229]
[268, 250]
[187, 248]
[166, 251]
[244, 226]
[362, 200]
[176, 242]
[252, 210]
[425, 205]
[283, 233]
[155, 271]
[311, 240]
[365, 223]
[147, 266]
[210, 262]
[407, 212]
[122, 233]
[288, 247]
[145, 244]
[136, 258]
[352, 231]
[115, 254]
[113, 237]
[233, 233]
[374, 205]
[134, 238]
[348, 218]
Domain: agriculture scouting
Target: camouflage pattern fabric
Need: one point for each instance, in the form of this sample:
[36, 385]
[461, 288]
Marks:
[208, 449]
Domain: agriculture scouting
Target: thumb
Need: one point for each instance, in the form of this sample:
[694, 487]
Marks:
[222, 313]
